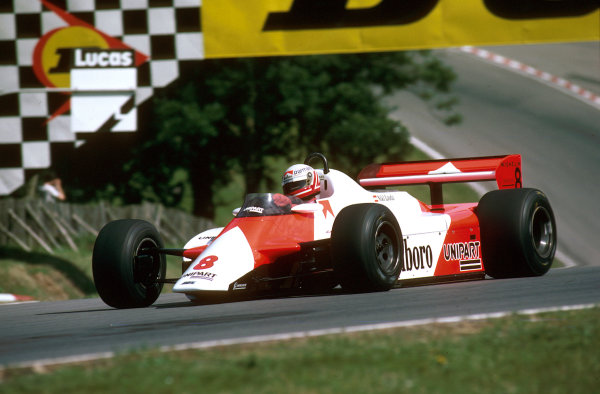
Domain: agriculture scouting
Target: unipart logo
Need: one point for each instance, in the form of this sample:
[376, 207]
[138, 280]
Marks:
[461, 251]
[94, 58]
[199, 275]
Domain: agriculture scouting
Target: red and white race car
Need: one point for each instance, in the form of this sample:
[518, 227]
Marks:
[360, 235]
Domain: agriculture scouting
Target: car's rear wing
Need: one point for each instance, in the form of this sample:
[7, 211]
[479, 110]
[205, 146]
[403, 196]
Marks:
[505, 170]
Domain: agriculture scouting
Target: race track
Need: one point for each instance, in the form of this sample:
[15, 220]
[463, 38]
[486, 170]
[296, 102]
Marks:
[504, 112]
[51, 330]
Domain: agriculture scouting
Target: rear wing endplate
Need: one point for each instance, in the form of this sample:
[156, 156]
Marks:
[505, 170]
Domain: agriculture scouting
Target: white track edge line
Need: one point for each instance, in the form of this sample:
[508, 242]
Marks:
[41, 364]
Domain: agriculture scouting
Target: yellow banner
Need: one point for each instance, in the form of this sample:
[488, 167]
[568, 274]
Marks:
[234, 28]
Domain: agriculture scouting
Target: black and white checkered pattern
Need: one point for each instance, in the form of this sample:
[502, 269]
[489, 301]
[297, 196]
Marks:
[168, 31]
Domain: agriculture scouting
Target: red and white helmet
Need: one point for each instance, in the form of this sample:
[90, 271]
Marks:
[301, 181]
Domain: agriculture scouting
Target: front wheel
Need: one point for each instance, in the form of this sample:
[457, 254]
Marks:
[126, 265]
[366, 247]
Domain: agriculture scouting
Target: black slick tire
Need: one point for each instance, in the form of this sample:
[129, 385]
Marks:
[518, 233]
[125, 264]
[366, 247]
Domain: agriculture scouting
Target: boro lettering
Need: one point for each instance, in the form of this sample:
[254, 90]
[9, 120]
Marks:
[416, 258]
[461, 251]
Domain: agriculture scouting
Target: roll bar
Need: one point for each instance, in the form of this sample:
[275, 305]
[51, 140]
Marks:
[317, 155]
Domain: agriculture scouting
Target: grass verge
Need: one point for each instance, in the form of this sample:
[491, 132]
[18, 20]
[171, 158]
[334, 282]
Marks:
[65, 275]
[549, 353]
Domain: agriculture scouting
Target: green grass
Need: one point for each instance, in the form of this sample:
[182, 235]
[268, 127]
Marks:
[65, 275]
[547, 353]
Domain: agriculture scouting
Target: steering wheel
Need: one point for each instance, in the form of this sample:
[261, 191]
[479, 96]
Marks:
[316, 155]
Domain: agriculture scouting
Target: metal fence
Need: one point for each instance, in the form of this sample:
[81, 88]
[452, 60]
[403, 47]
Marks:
[31, 223]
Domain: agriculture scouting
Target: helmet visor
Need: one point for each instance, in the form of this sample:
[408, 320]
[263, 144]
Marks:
[291, 187]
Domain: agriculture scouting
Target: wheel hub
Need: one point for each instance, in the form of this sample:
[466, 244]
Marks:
[386, 247]
[146, 264]
[542, 232]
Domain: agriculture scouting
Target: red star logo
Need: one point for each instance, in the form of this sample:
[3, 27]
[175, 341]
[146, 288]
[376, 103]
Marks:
[326, 208]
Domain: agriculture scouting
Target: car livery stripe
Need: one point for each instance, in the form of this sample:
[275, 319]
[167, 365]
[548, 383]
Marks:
[441, 178]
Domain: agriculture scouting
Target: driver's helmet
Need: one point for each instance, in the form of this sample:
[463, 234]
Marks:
[301, 181]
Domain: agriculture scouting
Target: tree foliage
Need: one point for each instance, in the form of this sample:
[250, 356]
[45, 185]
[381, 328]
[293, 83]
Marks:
[234, 115]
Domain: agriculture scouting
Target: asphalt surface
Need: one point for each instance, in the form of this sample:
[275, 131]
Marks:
[504, 112]
[52, 330]
[557, 134]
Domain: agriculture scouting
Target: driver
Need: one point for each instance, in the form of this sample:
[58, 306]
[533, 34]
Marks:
[302, 181]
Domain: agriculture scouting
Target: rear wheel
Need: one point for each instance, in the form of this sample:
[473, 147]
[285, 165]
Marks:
[518, 233]
[366, 246]
[126, 264]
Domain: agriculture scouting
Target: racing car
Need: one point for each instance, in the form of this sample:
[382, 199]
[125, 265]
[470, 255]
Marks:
[364, 235]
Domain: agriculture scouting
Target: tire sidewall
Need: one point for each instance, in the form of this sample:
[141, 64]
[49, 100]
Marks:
[507, 236]
[374, 271]
[354, 247]
[113, 263]
[537, 263]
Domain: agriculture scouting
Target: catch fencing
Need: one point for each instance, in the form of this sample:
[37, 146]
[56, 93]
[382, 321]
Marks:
[33, 224]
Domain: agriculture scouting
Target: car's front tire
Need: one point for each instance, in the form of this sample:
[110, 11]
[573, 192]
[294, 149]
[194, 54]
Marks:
[366, 247]
[126, 265]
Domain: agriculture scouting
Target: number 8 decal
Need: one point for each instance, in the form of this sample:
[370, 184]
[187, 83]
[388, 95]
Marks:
[206, 262]
[518, 181]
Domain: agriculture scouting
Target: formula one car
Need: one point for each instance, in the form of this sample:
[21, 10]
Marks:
[361, 235]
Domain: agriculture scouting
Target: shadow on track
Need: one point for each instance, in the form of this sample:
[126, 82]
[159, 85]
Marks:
[210, 299]
[228, 298]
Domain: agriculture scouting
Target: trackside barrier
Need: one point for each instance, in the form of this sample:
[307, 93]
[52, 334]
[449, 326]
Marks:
[30, 223]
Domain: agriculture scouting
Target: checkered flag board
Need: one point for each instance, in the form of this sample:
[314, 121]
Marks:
[35, 110]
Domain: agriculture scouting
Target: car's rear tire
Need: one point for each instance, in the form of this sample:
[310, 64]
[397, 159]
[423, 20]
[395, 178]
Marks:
[518, 233]
[125, 264]
[366, 247]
